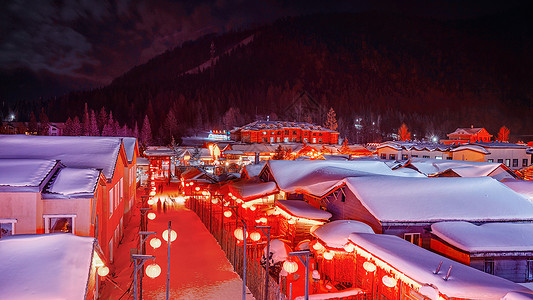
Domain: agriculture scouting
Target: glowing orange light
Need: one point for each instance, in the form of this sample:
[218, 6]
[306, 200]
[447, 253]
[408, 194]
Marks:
[153, 270]
[328, 255]
[369, 267]
[103, 271]
[290, 266]
[155, 243]
[227, 213]
[151, 215]
[255, 236]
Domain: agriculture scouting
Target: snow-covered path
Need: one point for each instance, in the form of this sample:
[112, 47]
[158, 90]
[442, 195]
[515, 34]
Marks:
[198, 266]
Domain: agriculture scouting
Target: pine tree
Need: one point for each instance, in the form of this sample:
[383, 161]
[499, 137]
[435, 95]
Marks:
[331, 121]
[146, 132]
[170, 126]
[93, 125]
[86, 122]
[45, 123]
[102, 118]
[503, 134]
[68, 127]
[136, 130]
[76, 127]
[403, 133]
[279, 154]
[109, 128]
[32, 126]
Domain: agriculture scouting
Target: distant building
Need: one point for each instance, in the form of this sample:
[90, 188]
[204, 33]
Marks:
[467, 135]
[284, 132]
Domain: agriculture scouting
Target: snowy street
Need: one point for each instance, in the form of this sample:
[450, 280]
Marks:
[199, 269]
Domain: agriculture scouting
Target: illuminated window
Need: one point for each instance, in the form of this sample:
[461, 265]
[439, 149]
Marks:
[305, 140]
[413, 238]
[264, 132]
[383, 156]
[500, 160]
[489, 266]
[7, 227]
[524, 162]
[508, 162]
[314, 140]
[286, 139]
[515, 162]
[278, 139]
[59, 223]
[490, 160]
[404, 156]
[392, 156]
[272, 139]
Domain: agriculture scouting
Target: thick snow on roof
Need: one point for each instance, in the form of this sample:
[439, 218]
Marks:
[419, 264]
[520, 186]
[252, 189]
[475, 148]
[318, 177]
[129, 146]
[141, 161]
[509, 237]
[45, 266]
[73, 151]
[463, 168]
[303, 209]
[255, 169]
[404, 199]
[24, 172]
[159, 151]
[72, 181]
[335, 234]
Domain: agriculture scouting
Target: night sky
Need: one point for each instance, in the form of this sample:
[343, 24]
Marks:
[93, 42]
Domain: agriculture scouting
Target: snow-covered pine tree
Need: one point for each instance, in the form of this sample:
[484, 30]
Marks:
[93, 125]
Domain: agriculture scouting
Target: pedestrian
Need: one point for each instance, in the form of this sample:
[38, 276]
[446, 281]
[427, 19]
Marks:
[158, 205]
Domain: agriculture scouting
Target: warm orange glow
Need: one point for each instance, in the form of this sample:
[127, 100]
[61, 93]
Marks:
[155, 243]
[103, 271]
[290, 266]
[227, 213]
[328, 255]
[197, 188]
[153, 270]
[173, 235]
[151, 215]
[151, 202]
[239, 233]
[369, 267]
[255, 236]
[389, 281]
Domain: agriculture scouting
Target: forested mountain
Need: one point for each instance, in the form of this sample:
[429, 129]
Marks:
[375, 70]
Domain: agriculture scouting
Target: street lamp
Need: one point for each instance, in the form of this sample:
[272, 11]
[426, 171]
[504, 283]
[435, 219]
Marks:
[136, 266]
[304, 258]
[169, 236]
[143, 235]
[267, 233]
[244, 237]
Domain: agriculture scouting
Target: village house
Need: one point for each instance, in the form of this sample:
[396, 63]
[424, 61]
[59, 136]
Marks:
[51, 266]
[402, 150]
[501, 249]
[284, 132]
[109, 203]
[467, 135]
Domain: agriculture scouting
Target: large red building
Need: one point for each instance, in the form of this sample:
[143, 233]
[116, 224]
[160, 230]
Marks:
[467, 135]
[284, 132]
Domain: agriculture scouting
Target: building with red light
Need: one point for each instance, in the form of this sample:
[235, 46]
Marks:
[467, 135]
[284, 132]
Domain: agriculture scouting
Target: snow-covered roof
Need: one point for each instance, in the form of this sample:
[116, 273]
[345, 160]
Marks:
[254, 169]
[419, 264]
[404, 199]
[474, 148]
[129, 146]
[501, 145]
[45, 266]
[24, 172]
[335, 234]
[159, 151]
[430, 167]
[411, 145]
[318, 177]
[524, 187]
[252, 189]
[302, 209]
[74, 182]
[72, 151]
[466, 130]
[141, 161]
[489, 237]
[275, 125]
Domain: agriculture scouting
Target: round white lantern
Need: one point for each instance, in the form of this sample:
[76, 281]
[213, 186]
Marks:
[291, 221]
[389, 281]
[197, 188]
[290, 266]
[214, 201]
[239, 233]
[263, 220]
[255, 236]
[253, 208]
[103, 271]
[228, 213]
[318, 246]
[349, 247]
[151, 202]
[151, 215]
[369, 267]
[328, 255]
[155, 243]
[153, 270]
[173, 235]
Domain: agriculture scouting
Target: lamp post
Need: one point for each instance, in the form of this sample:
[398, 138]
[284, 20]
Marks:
[244, 252]
[267, 233]
[304, 258]
[136, 267]
[169, 236]
[143, 235]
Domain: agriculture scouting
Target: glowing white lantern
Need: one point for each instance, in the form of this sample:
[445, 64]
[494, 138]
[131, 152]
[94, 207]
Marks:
[255, 236]
[290, 266]
[152, 193]
[253, 208]
[191, 183]
[151, 202]
[239, 233]
[369, 267]
[151, 215]
[230, 194]
[173, 235]
[318, 246]
[389, 281]
[263, 220]
[155, 243]
[153, 270]
[197, 188]
[214, 201]
[103, 271]
[228, 213]
[349, 247]
[328, 255]
[180, 199]
[291, 221]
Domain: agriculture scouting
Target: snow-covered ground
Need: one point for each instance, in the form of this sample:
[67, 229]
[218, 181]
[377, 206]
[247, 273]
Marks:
[198, 267]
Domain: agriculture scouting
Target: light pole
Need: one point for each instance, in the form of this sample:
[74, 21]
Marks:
[267, 233]
[143, 235]
[244, 253]
[304, 258]
[136, 267]
[169, 236]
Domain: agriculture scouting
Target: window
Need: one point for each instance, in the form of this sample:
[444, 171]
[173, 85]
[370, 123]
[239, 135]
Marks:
[425, 156]
[414, 155]
[7, 227]
[264, 140]
[286, 132]
[314, 140]
[524, 162]
[272, 139]
[264, 132]
[383, 156]
[305, 140]
[489, 266]
[111, 201]
[320, 133]
[320, 140]
[111, 250]
[278, 139]
[515, 162]
[285, 139]
[508, 162]
[449, 158]
[529, 269]
[59, 223]
[438, 157]
[294, 132]
[404, 156]
[500, 160]
[392, 156]
[490, 160]
[294, 139]
[413, 238]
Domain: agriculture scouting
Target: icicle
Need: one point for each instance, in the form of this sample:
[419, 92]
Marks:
[438, 268]
[448, 274]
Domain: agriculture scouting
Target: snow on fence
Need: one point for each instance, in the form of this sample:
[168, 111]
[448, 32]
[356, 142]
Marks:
[211, 215]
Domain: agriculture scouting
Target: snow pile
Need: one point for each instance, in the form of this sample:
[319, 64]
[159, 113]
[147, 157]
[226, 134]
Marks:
[419, 264]
[251, 189]
[462, 168]
[302, 209]
[75, 181]
[335, 234]
[487, 237]
[280, 251]
[24, 172]
[472, 148]
[319, 177]
[72, 151]
[404, 199]
[45, 267]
